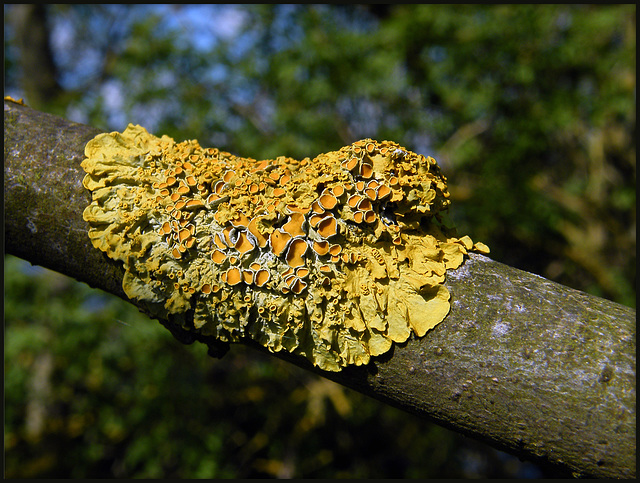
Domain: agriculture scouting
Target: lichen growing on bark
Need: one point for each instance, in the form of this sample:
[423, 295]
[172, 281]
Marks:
[333, 258]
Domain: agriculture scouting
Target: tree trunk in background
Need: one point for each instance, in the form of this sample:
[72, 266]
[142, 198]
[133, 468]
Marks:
[525, 364]
[39, 78]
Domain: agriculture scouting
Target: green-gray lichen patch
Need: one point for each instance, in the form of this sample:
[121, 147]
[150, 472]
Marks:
[333, 258]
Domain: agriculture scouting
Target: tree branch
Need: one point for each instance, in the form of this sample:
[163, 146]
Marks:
[525, 364]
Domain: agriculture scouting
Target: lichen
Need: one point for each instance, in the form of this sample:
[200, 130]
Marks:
[333, 258]
[16, 101]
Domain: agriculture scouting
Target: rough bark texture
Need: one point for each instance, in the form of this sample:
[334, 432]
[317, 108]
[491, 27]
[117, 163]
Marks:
[525, 364]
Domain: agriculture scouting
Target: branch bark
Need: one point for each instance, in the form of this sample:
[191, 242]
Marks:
[523, 363]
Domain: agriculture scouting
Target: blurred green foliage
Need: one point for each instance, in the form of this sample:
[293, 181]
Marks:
[530, 111]
[94, 389]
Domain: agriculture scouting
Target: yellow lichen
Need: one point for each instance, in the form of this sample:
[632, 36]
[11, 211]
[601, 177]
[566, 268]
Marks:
[333, 258]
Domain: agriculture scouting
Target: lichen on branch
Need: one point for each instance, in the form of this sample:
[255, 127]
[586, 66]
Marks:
[333, 258]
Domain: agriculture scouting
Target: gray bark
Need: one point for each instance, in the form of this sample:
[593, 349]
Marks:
[523, 363]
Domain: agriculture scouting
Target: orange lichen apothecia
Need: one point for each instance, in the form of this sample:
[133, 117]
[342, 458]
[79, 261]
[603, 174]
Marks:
[334, 258]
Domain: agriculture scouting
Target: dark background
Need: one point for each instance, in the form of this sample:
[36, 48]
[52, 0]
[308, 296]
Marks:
[529, 110]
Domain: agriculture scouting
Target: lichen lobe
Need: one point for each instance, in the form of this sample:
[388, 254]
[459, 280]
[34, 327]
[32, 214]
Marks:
[333, 258]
